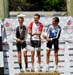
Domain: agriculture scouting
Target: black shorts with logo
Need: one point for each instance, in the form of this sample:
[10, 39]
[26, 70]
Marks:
[55, 43]
[20, 46]
[35, 43]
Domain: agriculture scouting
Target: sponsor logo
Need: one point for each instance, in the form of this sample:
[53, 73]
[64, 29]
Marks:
[61, 66]
[71, 73]
[70, 48]
[70, 54]
[71, 60]
[7, 24]
[69, 28]
[61, 48]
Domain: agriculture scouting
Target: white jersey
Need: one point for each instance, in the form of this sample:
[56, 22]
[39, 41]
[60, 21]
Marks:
[34, 30]
[35, 27]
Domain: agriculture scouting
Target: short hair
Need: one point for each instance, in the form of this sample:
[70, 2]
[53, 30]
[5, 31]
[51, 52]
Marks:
[21, 18]
[56, 19]
[37, 15]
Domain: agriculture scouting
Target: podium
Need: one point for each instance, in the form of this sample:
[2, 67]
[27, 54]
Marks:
[39, 73]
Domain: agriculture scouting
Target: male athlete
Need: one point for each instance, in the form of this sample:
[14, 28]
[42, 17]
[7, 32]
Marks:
[52, 38]
[35, 29]
[21, 32]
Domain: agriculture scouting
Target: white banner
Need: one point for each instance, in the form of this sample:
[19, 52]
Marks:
[65, 46]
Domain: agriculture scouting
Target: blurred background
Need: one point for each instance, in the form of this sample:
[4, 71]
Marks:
[11, 8]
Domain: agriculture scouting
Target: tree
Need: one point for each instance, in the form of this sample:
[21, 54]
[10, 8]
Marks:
[37, 5]
[57, 5]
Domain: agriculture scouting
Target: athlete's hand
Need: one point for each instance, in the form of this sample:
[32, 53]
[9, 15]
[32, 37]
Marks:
[22, 41]
[44, 36]
[18, 40]
[34, 34]
[49, 39]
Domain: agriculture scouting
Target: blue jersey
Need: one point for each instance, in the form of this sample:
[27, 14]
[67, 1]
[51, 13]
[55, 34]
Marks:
[54, 32]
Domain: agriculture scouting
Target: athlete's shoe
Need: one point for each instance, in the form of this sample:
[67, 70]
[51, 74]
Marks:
[56, 69]
[21, 70]
[40, 69]
[27, 70]
[32, 70]
[47, 69]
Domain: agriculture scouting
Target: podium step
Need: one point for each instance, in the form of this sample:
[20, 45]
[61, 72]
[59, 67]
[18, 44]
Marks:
[53, 73]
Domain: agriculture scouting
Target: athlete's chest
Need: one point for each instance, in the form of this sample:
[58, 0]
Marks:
[35, 27]
[21, 30]
[53, 29]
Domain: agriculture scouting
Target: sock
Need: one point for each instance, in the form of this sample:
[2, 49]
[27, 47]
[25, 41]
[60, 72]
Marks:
[39, 65]
[26, 65]
[47, 65]
[32, 65]
[56, 66]
[20, 65]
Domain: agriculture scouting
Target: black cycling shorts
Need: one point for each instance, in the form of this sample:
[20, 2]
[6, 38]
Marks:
[20, 46]
[35, 43]
[55, 43]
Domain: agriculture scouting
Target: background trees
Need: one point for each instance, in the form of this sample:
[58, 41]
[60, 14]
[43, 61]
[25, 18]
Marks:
[37, 5]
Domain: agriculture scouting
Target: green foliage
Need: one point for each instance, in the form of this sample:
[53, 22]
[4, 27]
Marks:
[37, 5]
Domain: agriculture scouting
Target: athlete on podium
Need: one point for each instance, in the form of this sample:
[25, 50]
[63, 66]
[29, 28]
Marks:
[35, 29]
[52, 38]
[21, 32]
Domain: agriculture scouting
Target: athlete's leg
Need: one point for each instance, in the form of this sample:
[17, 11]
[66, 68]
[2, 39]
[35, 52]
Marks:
[25, 59]
[39, 56]
[19, 59]
[56, 54]
[38, 45]
[19, 54]
[47, 59]
[56, 58]
[32, 54]
[48, 47]
[25, 54]
[32, 59]
[39, 59]
[47, 56]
